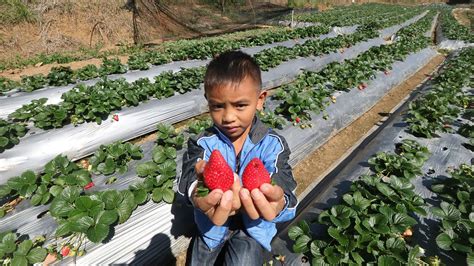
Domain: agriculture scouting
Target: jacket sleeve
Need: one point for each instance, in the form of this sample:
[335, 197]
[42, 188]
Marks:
[187, 181]
[283, 177]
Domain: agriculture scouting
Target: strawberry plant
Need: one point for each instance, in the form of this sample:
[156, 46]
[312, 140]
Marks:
[41, 188]
[157, 58]
[87, 72]
[168, 136]
[311, 91]
[137, 62]
[89, 214]
[60, 76]
[34, 82]
[438, 108]
[114, 157]
[10, 134]
[15, 250]
[376, 214]
[271, 119]
[456, 211]
[453, 30]
[7, 85]
[199, 126]
[111, 66]
[28, 111]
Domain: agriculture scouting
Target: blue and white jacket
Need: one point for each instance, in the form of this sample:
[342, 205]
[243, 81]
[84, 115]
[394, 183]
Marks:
[262, 143]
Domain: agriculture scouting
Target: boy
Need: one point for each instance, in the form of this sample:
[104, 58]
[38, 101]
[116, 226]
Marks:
[238, 222]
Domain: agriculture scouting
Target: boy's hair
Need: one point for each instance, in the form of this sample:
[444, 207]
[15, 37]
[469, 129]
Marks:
[231, 67]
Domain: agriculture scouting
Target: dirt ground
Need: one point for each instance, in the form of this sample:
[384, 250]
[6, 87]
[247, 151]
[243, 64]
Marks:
[465, 16]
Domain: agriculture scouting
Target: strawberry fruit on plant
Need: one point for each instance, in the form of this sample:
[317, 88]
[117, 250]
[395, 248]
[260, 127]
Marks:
[255, 174]
[217, 173]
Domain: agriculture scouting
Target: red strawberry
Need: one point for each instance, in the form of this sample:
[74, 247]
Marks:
[217, 173]
[255, 174]
[65, 251]
[91, 184]
[297, 120]
[115, 117]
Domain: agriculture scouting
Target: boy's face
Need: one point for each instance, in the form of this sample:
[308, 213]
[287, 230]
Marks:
[233, 108]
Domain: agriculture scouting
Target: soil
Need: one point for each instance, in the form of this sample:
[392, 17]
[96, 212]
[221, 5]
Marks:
[464, 16]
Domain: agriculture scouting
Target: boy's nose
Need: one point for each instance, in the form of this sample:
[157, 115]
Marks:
[228, 117]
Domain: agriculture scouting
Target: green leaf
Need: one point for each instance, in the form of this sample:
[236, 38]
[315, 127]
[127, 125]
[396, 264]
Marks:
[444, 241]
[55, 190]
[111, 198]
[385, 260]
[157, 195]
[60, 208]
[87, 204]
[463, 196]
[63, 229]
[108, 217]
[36, 199]
[462, 248]
[98, 233]
[4, 191]
[19, 260]
[334, 233]
[294, 232]
[3, 142]
[81, 224]
[36, 255]
[24, 247]
[301, 245]
[83, 177]
[168, 195]
[147, 169]
[70, 194]
[29, 177]
[357, 258]
[140, 196]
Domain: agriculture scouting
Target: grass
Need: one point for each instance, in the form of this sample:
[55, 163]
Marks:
[15, 11]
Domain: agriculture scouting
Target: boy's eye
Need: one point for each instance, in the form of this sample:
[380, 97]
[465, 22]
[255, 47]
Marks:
[216, 106]
[241, 106]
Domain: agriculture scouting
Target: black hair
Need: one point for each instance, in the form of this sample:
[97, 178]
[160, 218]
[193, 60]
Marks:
[231, 67]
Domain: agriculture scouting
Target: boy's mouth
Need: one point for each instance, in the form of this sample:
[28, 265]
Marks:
[231, 129]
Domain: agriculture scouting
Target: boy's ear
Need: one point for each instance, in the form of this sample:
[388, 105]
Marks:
[261, 100]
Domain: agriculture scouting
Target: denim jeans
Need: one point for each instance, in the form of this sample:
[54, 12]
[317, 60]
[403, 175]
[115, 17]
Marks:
[239, 249]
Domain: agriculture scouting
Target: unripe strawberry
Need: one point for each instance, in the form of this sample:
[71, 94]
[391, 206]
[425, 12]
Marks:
[217, 173]
[255, 174]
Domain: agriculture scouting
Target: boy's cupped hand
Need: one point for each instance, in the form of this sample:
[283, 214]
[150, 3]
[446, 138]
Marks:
[217, 205]
[265, 202]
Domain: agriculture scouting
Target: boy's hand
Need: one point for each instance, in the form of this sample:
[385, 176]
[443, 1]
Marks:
[266, 202]
[217, 205]
[236, 199]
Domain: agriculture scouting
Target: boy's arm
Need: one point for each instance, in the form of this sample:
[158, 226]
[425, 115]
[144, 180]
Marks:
[187, 181]
[283, 177]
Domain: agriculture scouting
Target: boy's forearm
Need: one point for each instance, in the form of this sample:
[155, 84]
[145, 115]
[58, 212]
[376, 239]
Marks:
[187, 181]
